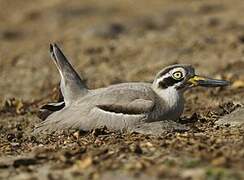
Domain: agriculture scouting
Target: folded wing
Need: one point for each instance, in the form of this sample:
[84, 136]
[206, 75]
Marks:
[115, 107]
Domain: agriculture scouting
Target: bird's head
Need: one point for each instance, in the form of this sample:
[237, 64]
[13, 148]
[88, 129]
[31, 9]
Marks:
[181, 77]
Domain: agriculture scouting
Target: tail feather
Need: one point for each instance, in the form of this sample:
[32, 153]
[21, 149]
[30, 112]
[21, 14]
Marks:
[50, 108]
[71, 84]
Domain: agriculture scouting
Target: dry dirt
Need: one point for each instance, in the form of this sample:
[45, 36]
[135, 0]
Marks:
[120, 41]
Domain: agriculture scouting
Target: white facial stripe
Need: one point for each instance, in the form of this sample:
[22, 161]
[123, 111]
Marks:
[170, 74]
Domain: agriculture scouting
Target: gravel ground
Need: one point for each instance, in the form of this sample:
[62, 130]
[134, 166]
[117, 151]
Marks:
[120, 41]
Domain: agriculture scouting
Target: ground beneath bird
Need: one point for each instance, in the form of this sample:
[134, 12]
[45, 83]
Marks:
[111, 42]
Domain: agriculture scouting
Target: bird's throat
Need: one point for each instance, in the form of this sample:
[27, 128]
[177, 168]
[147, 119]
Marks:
[173, 98]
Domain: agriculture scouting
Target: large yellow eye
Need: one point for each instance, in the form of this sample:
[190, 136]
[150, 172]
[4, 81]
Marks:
[177, 75]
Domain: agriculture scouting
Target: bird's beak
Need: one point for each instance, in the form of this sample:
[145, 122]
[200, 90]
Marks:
[206, 82]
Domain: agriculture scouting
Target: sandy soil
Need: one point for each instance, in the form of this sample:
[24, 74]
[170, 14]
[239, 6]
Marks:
[119, 41]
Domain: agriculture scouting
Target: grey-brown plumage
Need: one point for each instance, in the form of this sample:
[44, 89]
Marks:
[120, 106]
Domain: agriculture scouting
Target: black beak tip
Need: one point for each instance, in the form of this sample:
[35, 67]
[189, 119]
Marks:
[214, 83]
[227, 83]
[224, 83]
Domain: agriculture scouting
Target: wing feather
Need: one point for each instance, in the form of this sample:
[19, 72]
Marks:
[138, 106]
[116, 107]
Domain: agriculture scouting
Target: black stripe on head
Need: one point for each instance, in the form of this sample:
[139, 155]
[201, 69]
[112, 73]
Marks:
[169, 68]
[165, 71]
[168, 82]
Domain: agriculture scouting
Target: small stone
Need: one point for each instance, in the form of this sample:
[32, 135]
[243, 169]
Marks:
[219, 161]
[24, 162]
[238, 84]
[11, 136]
[136, 149]
[76, 134]
[196, 173]
[85, 163]
[236, 118]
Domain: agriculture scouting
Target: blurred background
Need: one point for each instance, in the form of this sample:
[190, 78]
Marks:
[115, 41]
[112, 41]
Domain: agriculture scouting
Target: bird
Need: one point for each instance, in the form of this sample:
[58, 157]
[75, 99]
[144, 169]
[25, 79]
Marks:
[122, 106]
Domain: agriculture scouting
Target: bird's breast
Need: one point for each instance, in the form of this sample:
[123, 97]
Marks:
[169, 106]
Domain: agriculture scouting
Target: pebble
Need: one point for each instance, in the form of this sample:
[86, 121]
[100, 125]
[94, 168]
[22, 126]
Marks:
[236, 119]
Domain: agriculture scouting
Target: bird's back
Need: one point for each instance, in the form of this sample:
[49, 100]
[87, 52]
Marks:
[123, 93]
